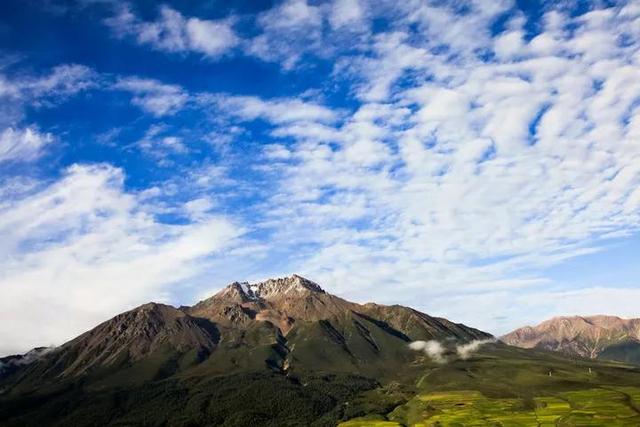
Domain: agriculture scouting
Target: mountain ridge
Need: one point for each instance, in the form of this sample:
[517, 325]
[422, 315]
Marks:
[584, 336]
[277, 319]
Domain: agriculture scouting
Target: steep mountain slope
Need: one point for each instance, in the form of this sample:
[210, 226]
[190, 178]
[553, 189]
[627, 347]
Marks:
[606, 337]
[159, 337]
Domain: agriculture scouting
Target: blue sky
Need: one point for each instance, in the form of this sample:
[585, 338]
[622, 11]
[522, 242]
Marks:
[478, 160]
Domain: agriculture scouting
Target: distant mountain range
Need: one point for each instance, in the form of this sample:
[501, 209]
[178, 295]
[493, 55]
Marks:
[593, 337]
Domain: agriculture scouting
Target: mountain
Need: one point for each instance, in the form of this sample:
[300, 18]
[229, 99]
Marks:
[315, 328]
[284, 352]
[279, 339]
[602, 337]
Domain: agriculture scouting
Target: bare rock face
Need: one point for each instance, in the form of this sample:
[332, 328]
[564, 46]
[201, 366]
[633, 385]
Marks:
[279, 301]
[588, 336]
[242, 292]
[132, 336]
[293, 286]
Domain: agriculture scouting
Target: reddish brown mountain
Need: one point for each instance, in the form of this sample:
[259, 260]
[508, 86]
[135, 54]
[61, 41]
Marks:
[586, 336]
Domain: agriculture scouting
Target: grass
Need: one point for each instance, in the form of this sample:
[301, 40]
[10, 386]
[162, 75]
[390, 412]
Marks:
[590, 407]
[505, 387]
[368, 422]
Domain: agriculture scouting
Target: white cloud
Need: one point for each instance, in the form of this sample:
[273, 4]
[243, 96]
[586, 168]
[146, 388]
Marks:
[280, 111]
[172, 32]
[157, 142]
[504, 310]
[283, 23]
[473, 171]
[431, 348]
[23, 145]
[80, 249]
[63, 80]
[295, 28]
[465, 351]
[21, 91]
[211, 38]
[346, 12]
[152, 96]
[510, 45]
[285, 33]
[391, 59]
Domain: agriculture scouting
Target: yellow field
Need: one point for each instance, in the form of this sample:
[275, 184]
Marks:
[593, 407]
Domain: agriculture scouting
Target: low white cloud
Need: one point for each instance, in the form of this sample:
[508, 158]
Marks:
[173, 32]
[465, 351]
[23, 145]
[437, 351]
[80, 249]
[432, 348]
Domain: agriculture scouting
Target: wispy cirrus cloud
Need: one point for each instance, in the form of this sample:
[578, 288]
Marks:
[278, 111]
[63, 80]
[23, 145]
[152, 96]
[19, 91]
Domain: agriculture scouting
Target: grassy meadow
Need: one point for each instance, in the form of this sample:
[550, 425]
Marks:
[506, 387]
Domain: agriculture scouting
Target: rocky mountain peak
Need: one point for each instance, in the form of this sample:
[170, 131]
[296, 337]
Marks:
[284, 286]
[272, 288]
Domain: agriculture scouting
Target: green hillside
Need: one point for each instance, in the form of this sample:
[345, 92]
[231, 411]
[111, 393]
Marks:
[499, 386]
[505, 386]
